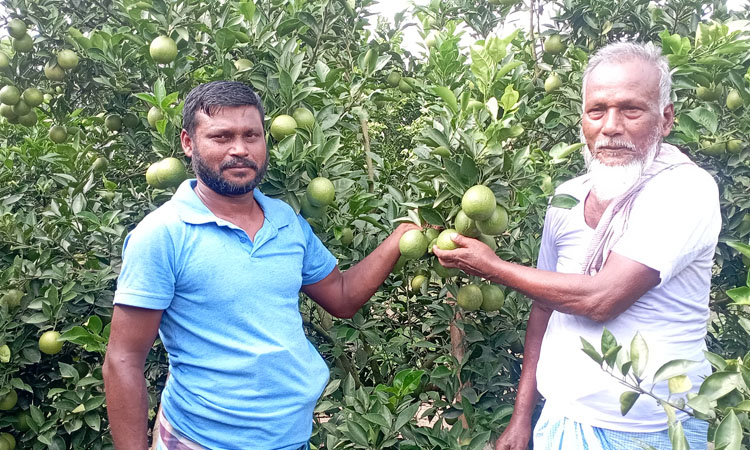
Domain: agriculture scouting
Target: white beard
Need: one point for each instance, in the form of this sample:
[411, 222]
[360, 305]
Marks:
[609, 182]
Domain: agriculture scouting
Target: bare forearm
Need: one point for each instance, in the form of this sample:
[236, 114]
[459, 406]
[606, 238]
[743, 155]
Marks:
[127, 406]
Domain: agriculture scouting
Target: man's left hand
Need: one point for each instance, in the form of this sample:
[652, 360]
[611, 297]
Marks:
[472, 256]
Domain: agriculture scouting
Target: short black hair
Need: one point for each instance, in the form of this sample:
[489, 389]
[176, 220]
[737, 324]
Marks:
[209, 98]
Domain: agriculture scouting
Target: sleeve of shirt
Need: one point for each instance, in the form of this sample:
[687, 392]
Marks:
[318, 262]
[674, 219]
[147, 278]
[548, 249]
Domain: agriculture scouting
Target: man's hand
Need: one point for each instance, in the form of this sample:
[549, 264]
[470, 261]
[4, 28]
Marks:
[471, 256]
[515, 437]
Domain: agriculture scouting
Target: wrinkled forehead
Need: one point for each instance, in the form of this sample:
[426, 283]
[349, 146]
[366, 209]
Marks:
[236, 116]
[633, 76]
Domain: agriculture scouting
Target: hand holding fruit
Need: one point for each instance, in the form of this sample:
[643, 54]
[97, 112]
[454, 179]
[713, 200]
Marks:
[471, 255]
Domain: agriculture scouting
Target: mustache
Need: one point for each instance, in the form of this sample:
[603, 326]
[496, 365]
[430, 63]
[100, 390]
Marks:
[614, 143]
[237, 163]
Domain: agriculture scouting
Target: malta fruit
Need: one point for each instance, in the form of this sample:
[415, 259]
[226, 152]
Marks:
[496, 224]
[465, 225]
[417, 282]
[554, 45]
[320, 192]
[12, 298]
[304, 118]
[444, 241]
[33, 97]
[58, 134]
[734, 100]
[163, 50]
[113, 122]
[16, 28]
[734, 146]
[9, 400]
[169, 172]
[493, 297]
[393, 79]
[49, 343]
[441, 151]
[404, 87]
[24, 44]
[53, 71]
[442, 271]
[347, 236]
[10, 95]
[478, 202]
[413, 244]
[154, 115]
[67, 59]
[9, 439]
[4, 61]
[552, 83]
[283, 126]
[469, 297]
[708, 93]
[309, 211]
[243, 65]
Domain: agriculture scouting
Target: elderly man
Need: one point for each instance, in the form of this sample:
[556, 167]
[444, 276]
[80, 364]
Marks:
[217, 271]
[634, 255]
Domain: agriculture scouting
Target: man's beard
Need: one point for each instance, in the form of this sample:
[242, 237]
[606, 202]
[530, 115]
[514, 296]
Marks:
[611, 181]
[220, 185]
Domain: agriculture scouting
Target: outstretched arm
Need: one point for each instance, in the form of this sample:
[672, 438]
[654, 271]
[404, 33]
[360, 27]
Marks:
[343, 293]
[602, 297]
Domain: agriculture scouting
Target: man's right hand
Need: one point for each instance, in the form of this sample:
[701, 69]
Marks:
[515, 437]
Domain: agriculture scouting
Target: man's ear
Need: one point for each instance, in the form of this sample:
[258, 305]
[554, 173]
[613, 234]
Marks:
[187, 143]
[667, 120]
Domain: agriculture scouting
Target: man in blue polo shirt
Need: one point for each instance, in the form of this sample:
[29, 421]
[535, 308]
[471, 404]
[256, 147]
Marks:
[216, 271]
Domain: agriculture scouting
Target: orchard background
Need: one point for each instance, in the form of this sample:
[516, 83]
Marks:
[412, 369]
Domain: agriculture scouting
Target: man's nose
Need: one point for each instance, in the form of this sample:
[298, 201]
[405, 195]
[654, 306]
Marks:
[239, 147]
[613, 123]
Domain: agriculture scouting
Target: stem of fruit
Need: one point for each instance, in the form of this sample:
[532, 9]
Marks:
[368, 160]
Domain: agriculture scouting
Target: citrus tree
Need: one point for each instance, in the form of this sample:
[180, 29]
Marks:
[363, 131]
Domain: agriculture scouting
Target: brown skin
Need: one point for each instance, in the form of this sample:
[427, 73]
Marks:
[234, 132]
[620, 104]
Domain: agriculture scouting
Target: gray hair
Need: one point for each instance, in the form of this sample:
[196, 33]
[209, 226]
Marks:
[627, 51]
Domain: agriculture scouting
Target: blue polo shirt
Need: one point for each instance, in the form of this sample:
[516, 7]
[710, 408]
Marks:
[242, 372]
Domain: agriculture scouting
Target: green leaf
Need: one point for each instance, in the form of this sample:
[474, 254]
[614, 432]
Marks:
[561, 151]
[510, 98]
[448, 97]
[377, 419]
[740, 295]
[705, 117]
[679, 384]
[248, 10]
[638, 354]
[405, 416]
[591, 351]
[508, 67]
[563, 201]
[610, 356]
[357, 433]
[674, 368]
[729, 433]
[627, 400]
[159, 91]
[700, 403]
[677, 436]
[4, 354]
[608, 341]
[493, 107]
[719, 384]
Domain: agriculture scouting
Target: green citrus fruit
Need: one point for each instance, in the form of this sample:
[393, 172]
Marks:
[441, 151]
[58, 134]
[431, 39]
[442, 271]
[130, 120]
[496, 224]
[21, 108]
[469, 297]
[12, 298]
[413, 244]
[171, 172]
[7, 111]
[9, 439]
[243, 65]
[151, 177]
[53, 72]
[320, 192]
[113, 122]
[554, 44]
[474, 105]
[734, 100]
[4, 444]
[417, 282]
[431, 234]
[16, 28]
[393, 79]
[67, 59]
[24, 44]
[163, 50]
[309, 211]
[404, 87]
[465, 225]
[23, 421]
[478, 202]
[4, 61]
[707, 93]
[99, 164]
[734, 146]
[493, 297]
[28, 120]
[714, 149]
[49, 344]
[154, 115]
[347, 236]
[10, 95]
[9, 400]
[304, 118]
[552, 83]
[283, 126]
[33, 97]
[444, 241]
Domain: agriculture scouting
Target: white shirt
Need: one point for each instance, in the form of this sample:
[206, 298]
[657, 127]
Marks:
[673, 228]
